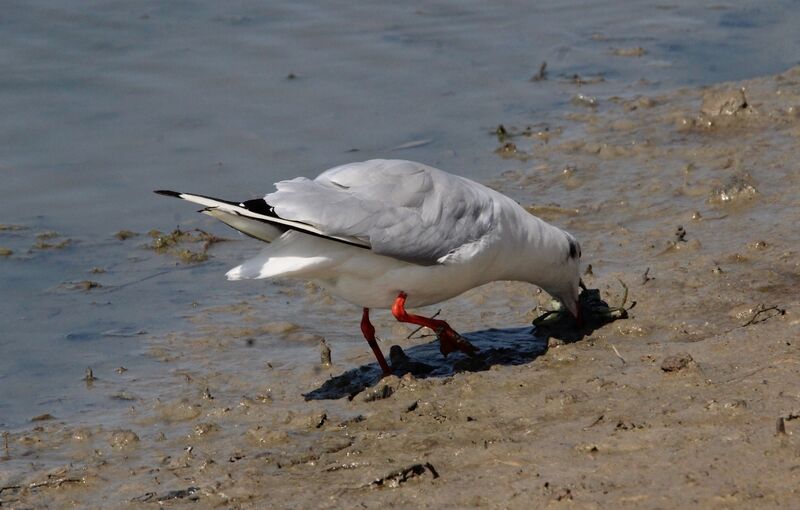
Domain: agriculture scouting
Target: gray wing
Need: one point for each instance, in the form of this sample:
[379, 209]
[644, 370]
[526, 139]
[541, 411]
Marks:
[405, 210]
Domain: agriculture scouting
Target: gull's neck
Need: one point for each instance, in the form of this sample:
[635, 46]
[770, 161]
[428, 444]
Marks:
[540, 250]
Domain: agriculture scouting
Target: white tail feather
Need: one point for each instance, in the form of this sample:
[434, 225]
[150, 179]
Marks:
[291, 254]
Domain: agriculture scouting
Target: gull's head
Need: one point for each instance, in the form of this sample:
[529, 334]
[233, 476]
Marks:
[564, 280]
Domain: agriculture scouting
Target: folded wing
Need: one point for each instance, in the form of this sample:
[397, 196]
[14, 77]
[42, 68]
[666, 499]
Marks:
[402, 209]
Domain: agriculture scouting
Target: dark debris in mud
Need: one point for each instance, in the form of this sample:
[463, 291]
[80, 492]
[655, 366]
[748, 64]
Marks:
[401, 476]
[541, 75]
[190, 493]
[83, 285]
[780, 425]
[764, 313]
[123, 235]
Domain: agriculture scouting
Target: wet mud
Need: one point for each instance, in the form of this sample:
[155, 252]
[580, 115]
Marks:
[689, 198]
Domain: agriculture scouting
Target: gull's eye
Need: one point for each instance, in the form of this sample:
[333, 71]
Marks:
[574, 249]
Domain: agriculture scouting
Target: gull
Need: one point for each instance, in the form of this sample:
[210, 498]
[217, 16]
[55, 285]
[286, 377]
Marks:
[392, 234]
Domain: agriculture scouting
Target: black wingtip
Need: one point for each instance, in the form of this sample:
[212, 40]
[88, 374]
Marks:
[259, 206]
[168, 193]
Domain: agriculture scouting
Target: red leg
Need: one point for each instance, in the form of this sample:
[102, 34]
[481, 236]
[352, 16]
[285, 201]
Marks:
[369, 333]
[449, 340]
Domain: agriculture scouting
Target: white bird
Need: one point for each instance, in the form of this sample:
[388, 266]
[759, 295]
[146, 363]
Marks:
[393, 233]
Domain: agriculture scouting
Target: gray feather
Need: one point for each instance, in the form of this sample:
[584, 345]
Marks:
[405, 210]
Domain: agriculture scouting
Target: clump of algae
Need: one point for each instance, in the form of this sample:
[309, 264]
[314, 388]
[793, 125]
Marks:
[48, 241]
[122, 235]
[171, 244]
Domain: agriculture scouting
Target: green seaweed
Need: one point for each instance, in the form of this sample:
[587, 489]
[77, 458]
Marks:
[42, 245]
[122, 235]
[170, 244]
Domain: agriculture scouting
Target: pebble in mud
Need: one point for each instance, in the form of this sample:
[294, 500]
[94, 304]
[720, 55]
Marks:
[85, 285]
[204, 429]
[179, 411]
[509, 150]
[121, 439]
[584, 100]
[738, 187]
[564, 398]
[278, 327]
[677, 362]
[723, 102]
[380, 392]
[81, 434]
[266, 436]
[636, 51]
[305, 420]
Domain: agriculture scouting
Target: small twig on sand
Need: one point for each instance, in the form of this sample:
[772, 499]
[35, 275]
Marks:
[743, 376]
[58, 482]
[54, 482]
[625, 295]
[619, 355]
[419, 328]
[625, 298]
[646, 276]
[763, 310]
[595, 422]
[542, 74]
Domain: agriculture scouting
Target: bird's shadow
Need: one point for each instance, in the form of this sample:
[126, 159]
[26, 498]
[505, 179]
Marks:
[507, 346]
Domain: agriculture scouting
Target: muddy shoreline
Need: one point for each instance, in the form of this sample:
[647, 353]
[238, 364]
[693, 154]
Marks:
[690, 198]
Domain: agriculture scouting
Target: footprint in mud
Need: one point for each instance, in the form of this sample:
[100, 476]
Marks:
[508, 346]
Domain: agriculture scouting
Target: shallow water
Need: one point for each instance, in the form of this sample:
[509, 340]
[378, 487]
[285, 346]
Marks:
[104, 102]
